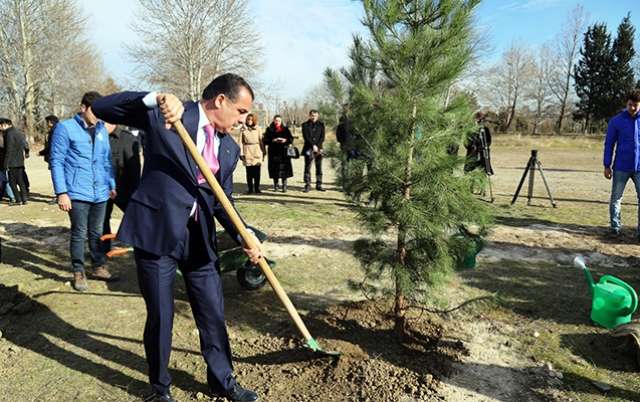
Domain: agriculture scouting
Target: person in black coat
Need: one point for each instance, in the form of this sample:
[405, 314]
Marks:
[51, 121]
[5, 188]
[478, 147]
[125, 161]
[313, 134]
[16, 150]
[277, 139]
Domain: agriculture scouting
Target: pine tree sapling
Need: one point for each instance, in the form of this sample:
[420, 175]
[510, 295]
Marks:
[415, 191]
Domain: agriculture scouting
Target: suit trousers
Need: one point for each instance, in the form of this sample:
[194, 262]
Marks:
[308, 161]
[16, 181]
[156, 277]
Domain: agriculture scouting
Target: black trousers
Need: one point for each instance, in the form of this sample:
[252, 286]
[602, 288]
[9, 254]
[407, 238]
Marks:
[308, 161]
[253, 178]
[121, 203]
[156, 278]
[16, 179]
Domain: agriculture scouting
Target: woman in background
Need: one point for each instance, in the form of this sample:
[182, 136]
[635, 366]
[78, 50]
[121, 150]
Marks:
[277, 138]
[252, 152]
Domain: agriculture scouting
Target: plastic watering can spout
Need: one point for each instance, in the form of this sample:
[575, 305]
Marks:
[579, 263]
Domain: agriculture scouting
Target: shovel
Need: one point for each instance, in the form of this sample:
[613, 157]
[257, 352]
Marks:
[249, 241]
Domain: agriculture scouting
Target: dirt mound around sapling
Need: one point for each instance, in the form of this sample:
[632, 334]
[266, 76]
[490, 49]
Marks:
[375, 364]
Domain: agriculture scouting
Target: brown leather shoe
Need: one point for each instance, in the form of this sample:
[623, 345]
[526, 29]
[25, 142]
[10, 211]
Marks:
[80, 282]
[102, 274]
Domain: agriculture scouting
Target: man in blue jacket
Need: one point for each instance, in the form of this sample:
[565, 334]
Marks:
[83, 181]
[623, 134]
[170, 220]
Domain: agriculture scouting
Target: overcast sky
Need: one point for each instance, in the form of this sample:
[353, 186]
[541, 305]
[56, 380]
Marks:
[303, 37]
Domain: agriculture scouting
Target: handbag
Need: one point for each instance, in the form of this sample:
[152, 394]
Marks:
[293, 152]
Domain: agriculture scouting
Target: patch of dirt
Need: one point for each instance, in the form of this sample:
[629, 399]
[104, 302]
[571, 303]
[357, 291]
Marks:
[493, 370]
[558, 244]
[374, 365]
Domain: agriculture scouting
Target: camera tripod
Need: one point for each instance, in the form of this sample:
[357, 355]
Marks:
[532, 164]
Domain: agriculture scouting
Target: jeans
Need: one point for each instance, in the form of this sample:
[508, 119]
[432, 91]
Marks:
[86, 218]
[4, 185]
[619, 182]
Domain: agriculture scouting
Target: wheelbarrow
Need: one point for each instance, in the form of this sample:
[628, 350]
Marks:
[231, 257]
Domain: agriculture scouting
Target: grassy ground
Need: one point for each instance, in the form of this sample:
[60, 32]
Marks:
[70, 346]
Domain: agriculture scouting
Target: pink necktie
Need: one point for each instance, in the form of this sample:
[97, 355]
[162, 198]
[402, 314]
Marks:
[208, 153]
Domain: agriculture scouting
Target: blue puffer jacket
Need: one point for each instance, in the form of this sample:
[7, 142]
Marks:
[80, 166]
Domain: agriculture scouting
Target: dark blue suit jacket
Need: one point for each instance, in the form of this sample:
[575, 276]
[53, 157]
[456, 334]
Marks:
[156, 218]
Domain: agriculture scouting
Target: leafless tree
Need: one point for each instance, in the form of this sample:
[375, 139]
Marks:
[565, 55]
[539, 90]
[503, 84]
[183, 44]
[45, 61]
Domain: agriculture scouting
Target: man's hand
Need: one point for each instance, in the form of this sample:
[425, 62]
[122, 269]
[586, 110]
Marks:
[171, 108]
[113, 194]
[64, 202]
[255, 253]
[607, 173]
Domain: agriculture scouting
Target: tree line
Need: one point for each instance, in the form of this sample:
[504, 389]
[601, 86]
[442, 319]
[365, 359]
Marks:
[48, 60]
[574, 83]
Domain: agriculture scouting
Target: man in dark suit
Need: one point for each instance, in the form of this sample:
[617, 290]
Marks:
[125, 160]
[169, 220]
[313, 134]
[16, 150]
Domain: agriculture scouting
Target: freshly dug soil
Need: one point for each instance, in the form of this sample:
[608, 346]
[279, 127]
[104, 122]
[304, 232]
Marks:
[375, 364]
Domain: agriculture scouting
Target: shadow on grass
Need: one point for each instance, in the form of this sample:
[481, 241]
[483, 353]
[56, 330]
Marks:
[602, 350]
[35, 334]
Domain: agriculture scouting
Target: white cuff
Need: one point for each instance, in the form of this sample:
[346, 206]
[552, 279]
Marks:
[248, 230]
[151, 100]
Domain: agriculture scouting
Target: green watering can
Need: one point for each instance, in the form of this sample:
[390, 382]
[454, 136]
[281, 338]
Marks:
[614, 300]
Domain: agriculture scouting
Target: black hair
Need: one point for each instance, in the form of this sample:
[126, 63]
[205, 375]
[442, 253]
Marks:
[4, 120]
[634, 96]
[227, 84]
[312, 111]
[52, 118]
[89, 97]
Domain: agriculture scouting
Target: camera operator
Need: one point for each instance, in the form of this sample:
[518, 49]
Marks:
[479, 147]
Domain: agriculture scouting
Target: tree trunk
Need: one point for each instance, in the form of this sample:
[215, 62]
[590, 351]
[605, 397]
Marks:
[563, 105]
[400, 304]
[512, 112]
[29, 87]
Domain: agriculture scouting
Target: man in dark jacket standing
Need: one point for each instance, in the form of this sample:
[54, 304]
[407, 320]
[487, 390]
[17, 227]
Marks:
[313, 134]
[125, 160]
[16, 150]
[5, 188]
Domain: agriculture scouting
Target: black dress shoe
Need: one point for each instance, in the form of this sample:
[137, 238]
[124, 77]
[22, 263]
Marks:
[159, 398]
[319, 188]
[306, 188]
[239, 394]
